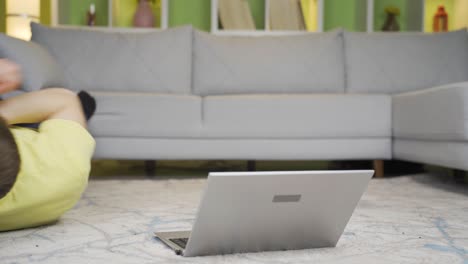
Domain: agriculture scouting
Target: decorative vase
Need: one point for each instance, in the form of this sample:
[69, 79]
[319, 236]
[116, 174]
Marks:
[144, 15]
[91, 16]
[440, 22]
[391, 23]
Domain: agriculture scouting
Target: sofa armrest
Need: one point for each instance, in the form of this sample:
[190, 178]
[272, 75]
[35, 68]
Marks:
[438, 113]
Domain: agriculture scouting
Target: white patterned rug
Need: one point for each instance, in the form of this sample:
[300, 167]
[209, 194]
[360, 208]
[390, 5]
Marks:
[410, 219]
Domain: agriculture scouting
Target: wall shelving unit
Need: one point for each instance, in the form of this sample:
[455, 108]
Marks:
[323, 15]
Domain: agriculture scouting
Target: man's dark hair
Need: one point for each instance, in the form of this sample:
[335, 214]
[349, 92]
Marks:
[9, 159]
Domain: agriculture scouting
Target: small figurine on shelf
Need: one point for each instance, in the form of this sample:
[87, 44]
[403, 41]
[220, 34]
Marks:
[391, 23]
[440, 22]
[144, 16]
[91, 15]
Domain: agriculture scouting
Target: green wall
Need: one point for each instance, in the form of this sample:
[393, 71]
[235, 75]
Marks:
[45, 12]
[195, 12]
[257, 7]
[414, 15]
[74, 12]
[2, 15]
[348, 14]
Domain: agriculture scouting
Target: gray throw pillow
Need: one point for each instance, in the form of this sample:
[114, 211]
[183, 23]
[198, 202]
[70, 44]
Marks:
[39, 68]
[109, 60]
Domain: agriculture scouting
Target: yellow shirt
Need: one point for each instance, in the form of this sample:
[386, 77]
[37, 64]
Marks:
[54, 170]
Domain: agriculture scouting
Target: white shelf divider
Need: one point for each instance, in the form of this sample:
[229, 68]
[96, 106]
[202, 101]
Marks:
[267, 15]
[110, 14]
[370, 16]
[164, 14]
[214, 16]
[320, 15]
[54, 11]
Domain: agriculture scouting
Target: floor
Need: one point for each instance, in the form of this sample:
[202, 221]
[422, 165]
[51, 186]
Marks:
[420, 218]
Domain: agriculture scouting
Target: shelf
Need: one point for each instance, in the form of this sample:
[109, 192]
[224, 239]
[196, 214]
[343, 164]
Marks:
[309, 10]
[109, 13]
[430, 8]
[457, 11]
[349, 14]
[257, 10]
[257, 32]
[73, 12]
[194, 12]
[260, 11]
[410, 18]
[123, 11]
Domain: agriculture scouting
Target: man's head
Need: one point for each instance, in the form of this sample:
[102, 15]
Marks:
[9, 159]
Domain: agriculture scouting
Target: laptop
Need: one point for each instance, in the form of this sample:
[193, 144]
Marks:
[265, 211]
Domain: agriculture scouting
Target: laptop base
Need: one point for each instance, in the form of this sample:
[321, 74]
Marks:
[176, 240]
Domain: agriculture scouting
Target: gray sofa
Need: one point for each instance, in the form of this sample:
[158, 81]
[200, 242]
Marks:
[185, 94]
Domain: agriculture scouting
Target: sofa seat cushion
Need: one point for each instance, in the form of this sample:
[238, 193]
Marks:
[146, 115]
[401, 62]
[297, 116]
[304, 63]
[439, 113]
[242, 149]
[141, 61]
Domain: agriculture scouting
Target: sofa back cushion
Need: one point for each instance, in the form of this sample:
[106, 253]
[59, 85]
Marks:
[304, 63]
[121, 61]
[397, 62]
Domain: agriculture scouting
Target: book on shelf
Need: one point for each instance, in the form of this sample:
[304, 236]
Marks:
[286, 15]
[235, 15]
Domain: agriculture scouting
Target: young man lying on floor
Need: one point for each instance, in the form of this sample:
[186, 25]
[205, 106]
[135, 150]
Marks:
[43, 172]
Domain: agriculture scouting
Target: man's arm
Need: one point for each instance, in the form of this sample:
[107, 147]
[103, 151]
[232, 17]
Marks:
[38, 106]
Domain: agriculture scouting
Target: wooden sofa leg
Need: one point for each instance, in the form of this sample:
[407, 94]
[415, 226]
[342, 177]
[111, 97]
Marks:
[251, 166]
[150, 168]
[378, 168]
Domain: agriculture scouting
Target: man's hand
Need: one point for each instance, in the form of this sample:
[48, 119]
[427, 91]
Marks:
[10, 76]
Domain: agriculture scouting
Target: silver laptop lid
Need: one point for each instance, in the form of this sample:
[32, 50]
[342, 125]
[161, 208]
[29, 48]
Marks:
[260, 211]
